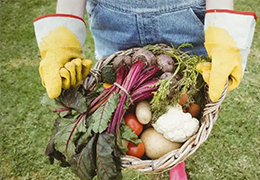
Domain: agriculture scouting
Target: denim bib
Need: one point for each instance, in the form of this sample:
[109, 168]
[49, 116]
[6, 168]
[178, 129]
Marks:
[123, 24]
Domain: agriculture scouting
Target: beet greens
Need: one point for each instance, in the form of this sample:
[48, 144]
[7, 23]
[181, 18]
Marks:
[89, 133]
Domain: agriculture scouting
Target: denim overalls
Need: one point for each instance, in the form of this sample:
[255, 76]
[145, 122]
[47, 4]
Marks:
[123, 24]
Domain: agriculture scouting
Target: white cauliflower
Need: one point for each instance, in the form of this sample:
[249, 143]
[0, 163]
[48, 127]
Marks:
[176, 125]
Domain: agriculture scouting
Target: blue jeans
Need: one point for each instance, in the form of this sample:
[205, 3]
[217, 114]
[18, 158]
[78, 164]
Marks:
[123, 24]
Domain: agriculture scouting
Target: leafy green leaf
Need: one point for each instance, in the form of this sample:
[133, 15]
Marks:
[107, 169]
[103, 114]
[128, 134]
[83, 140]
[51, 151]
[90, 96]
[126, 105]
[122, 149]
[70, 130]
[83, 164]
[96, 178]
[117, 161]
[54, 106]
[50, 103]
[73, 99]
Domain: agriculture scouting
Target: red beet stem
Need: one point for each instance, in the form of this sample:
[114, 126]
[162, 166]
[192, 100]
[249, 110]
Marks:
[128, 83]
[120, 75]
[61, 110]
[152, 71]
[143, 96]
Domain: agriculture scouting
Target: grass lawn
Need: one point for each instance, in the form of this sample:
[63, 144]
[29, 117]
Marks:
[231, 152]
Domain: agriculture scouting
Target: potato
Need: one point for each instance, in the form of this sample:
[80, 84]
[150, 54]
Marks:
[143, 112]
[156, 145]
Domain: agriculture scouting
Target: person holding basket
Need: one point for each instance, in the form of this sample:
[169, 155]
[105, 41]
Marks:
[211, 26]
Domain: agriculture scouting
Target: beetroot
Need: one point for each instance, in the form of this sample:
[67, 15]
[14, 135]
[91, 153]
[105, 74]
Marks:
[118, 62]
[128, 60]
[146, 56]
[165, 63]
[166, 76]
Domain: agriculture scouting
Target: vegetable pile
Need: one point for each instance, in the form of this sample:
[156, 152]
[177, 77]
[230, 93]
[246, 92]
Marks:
[145, 106]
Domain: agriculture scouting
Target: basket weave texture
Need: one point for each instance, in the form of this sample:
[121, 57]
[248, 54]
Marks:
[171, 159]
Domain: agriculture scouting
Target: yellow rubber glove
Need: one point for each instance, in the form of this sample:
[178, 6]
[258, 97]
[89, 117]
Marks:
[228, 37]
[226, 62]
[74, 71]
[57, 49]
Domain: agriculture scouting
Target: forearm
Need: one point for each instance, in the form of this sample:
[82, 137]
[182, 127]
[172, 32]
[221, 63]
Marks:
[74, 7]
[220, 4]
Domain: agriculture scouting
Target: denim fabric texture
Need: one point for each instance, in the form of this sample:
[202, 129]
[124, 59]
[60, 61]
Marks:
[123, 24]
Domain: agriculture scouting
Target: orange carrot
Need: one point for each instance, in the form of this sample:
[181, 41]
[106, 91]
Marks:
[107, 85]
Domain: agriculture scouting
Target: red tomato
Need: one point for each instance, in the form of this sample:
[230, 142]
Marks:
[136, 151]
[133, 123]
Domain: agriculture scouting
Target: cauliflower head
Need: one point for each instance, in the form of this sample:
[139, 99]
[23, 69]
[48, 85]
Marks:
[176, 125]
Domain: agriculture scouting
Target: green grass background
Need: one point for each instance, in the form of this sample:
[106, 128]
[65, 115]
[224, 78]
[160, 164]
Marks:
[231, 152]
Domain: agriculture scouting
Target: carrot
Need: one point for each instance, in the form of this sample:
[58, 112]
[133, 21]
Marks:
[107, 85]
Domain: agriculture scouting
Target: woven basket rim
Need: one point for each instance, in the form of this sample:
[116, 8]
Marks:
[173, 158]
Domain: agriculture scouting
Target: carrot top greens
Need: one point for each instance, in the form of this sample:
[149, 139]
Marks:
[184, 80]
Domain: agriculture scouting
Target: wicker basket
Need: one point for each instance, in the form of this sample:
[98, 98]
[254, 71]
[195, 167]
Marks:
[171, 159]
